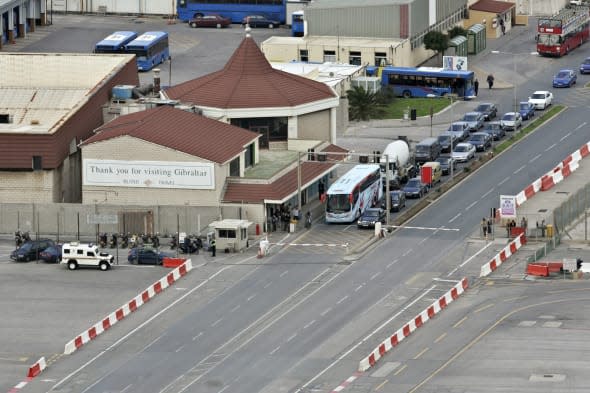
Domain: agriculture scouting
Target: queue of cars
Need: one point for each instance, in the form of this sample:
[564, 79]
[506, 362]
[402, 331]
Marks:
[220, 21]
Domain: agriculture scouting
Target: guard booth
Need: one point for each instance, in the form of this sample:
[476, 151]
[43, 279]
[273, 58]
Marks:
[476, 39]
[459, 43]
[231, 235]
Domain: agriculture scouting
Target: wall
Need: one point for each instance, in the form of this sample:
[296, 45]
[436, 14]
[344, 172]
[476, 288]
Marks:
[118, 149]
[28, 187]
[138, 7]
[314, 126]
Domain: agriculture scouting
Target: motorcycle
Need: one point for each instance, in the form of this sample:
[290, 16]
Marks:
[155, 241]
[113, 242]
[26, 237]
[103, 240]
[173, 242]
[189, 246]
[124, 241]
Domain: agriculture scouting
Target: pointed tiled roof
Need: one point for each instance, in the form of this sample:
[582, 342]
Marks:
[494, 6]
[249, 81]
[180, 130]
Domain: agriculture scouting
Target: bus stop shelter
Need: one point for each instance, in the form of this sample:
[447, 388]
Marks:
[231, 235]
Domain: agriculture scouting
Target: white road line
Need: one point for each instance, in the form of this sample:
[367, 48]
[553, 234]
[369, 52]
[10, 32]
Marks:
[235, 308]
[309, 324]
[179, 349]
[565, 136]
[550, 147]
[250, 298]
[423, 240]
[487, 193]
[580, 126]
[267, 285]
[519, 169]
[358, 288]
[407, 252]
[197, 336]
[150, 344]
[283, 273]
[347, 227]
[454, 218]
[126, 387]
[274, 350]
[535, 158]
[341, 300]
[470, 258]
[216, 322]
[471, 205]
[326, 311]
[224, 389]
[374, 276]
[292, 337]
[392, 263]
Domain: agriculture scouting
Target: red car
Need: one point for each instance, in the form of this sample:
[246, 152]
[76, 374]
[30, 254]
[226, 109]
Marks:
[210, 21]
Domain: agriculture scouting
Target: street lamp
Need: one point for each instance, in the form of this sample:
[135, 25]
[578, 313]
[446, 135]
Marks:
[497, 52]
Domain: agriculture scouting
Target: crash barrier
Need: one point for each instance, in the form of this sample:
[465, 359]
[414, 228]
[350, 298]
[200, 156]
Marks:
[412, 325]
[503, 255]
[543, 269]
[37, 368]
[128, 307]
[172, 262]
[554, 176]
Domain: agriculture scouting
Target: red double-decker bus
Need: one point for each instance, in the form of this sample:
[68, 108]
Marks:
[564, 31]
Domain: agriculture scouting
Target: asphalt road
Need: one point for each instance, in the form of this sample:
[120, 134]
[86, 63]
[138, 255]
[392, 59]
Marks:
[303, 321]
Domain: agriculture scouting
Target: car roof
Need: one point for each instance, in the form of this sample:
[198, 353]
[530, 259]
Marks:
[541, 92]
[509, 113]
[493, 123]
[486, 103]
[473, 113]
[480, 134]
[459, 122]
[565, 70]
[464, 144]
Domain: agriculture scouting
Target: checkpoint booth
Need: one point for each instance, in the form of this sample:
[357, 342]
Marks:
[231, 235]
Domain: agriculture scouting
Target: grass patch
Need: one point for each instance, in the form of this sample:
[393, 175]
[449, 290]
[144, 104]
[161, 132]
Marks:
[516, 136]
[395, 110]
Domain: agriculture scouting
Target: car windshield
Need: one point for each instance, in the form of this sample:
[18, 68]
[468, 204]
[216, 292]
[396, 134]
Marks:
[456, 127]
[371, 213]
[395, 197]
[483, 107]
[508, 117]
[413, 183]
[444, 138]
[562, 74]
[471, 117]
[477, 138]
[492, 127]
[538, 96]
[442, 161]
[461, 148]
[524, 105]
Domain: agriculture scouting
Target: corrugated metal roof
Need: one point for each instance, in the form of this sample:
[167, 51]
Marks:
[355, 3]
[180, 130]
[248, 81]
[40, 90]
[343, 42]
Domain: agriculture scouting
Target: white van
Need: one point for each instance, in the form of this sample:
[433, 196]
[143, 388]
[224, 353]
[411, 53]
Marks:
[76, 254]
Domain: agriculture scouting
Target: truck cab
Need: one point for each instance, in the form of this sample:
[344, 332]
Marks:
[75, 254]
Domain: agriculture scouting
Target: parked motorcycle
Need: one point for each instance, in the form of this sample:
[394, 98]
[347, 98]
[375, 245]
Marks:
[113, 241]
[18, 238]
[103, 240]
[174, 242]
[124, 240]
[155, 241]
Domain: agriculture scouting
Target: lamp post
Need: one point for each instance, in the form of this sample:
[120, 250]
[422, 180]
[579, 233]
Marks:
[497, 52]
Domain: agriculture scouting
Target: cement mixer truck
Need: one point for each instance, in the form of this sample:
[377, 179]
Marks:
[401, 168]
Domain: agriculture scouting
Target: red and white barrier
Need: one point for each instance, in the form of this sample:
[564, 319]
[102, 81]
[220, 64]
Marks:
[128, 307]
[503, 255]
[36, 368]
[412, 325]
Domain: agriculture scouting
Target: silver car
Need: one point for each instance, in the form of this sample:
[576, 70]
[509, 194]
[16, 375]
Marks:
[474, 120]
[463, 152]
[460, 130]
[511, 121]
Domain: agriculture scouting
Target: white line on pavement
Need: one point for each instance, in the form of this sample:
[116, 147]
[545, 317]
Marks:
[519, 169]
[454, 218]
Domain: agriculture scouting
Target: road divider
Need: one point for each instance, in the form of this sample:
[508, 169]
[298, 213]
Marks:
[503, 255]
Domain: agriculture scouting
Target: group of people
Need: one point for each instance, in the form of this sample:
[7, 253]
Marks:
[486, 227]
[280, 218]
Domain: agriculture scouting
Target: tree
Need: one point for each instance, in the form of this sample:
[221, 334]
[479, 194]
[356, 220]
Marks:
[436, 41]
[456, 31]
[365, 105]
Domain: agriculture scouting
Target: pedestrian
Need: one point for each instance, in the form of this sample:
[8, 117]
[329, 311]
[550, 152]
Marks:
[490, 80]
[273, 219]
[476, 86]
[212, 247]
[308, 219]
[295, 213]
[321, 189]
[489, 227]
[484, 228]
[502, 26]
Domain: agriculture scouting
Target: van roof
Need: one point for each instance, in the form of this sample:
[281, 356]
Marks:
[428, 141]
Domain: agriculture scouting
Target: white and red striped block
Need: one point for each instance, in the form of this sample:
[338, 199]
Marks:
[503, 255]
[128, 307]
[347, 382]
[412, 325]
[34, 370]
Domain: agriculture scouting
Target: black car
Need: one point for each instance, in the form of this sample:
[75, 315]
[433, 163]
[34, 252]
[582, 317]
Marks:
[370, 217]
[447, 142]
[146, 256]
[51, 254]
[445, 164]
[260, 21]
[481, 140]
[397, 200]
[414, 188]
[488, 110]
[495, 129]
[30, 250]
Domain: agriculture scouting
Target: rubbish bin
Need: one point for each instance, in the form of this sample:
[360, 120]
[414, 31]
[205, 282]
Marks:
[549, 230]
[413, 114]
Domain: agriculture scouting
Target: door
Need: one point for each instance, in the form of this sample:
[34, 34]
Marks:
[265, 132]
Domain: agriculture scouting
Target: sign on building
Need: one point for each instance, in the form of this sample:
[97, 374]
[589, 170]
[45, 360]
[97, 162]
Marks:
[148, 174]
[455, 63]
[507, 206]
[102, 219]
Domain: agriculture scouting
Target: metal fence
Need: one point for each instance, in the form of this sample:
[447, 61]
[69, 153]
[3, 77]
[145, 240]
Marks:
[570, 210]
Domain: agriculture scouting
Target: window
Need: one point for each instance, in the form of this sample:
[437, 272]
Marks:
[354, 58]
[303, 55]
[227, 233]
[329, 56]
[380, 59]
[234, 167]
[249, 162]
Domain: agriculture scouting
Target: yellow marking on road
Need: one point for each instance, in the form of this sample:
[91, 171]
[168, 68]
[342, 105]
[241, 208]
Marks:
[460, 322]
[402, 368]
[381, 385]
[440, 338]
[23, 359]
[421, 353]
[484, 308]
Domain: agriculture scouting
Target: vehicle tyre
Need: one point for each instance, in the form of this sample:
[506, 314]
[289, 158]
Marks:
[407, 94]
[219, 26]
[194, 25]
[27, 259]
[72, 265]
[104, 266]
[271, 26]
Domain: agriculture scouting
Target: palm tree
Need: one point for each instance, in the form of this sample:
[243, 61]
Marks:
[365, 105]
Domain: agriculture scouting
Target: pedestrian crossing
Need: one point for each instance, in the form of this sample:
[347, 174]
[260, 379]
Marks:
[328, 242]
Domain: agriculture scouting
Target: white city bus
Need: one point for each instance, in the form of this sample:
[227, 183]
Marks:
[351, 194]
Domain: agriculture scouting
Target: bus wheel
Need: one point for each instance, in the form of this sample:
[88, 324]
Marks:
[407, 94]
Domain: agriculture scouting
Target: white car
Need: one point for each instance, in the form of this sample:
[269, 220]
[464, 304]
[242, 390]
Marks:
[541, 99]
[463, 152]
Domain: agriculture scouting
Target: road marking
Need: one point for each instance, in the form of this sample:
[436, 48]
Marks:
[341, 300]
[235, 308]
[274, 350]
[439, 338]
[381, 385]
[402, 368]
[460, 322]
[150, 344]
[535, 158]
[292, 337]
[519, 169]
[179, 349]
[283, 273]
[407, 252]
[443, 280]
[250, 298]
[550, 147]
[487, 193]
[423, 240]
[469, 259]
[426, 228]
[358, 288]
[126, 387]
[454, 218]
[374, 276]
[266, 285]
[421, 353]
[347, 227]
[309, 324]
[326, 311]
[216, 322]
[565, 136]
[484, 307]
[515, 298]
[392, 263]
[197, 336]
[471, 205]
[224, 389]
[580, 126]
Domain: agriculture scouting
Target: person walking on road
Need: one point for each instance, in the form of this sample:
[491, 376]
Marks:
[484, 228]
[490, 80]
[212, 247]
[476, 86]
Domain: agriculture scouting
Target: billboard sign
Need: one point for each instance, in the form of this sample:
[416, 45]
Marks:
[148, 174]
[455, 63]
[507, 206]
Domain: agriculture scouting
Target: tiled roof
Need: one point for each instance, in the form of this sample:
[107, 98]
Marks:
[496, 7]
[180, 130]
[248, 81]
[285, 186]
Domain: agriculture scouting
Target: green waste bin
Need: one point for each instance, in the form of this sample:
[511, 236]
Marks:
[412, 114]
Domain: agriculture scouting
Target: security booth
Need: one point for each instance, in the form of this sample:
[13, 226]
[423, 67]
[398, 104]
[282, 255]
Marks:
[476, 39]
[459, 43]
[231, 235]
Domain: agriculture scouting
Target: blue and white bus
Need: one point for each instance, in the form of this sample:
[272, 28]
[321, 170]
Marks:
[150, 49]
[115, 43]
[236, 10]
[297, 27]
[427, 82]
[355, 191]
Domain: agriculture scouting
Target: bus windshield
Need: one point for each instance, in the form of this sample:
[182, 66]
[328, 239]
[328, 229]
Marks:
[338, 203]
